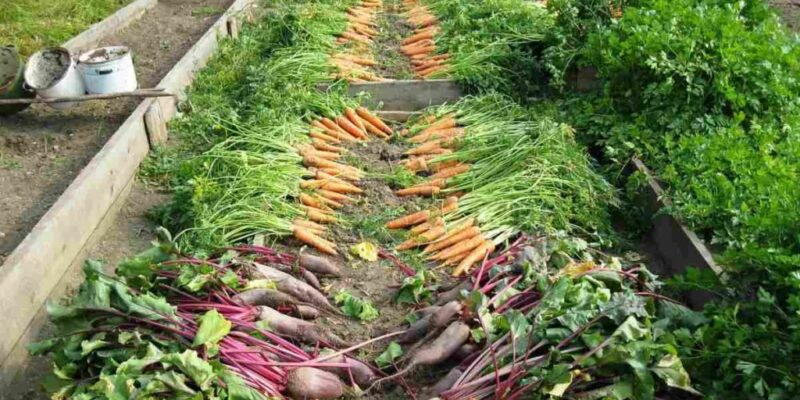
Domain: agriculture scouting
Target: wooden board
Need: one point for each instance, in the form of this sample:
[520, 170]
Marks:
[405, 95]
[398, 116]
[89, 38]
[33, 271]
[678, 245]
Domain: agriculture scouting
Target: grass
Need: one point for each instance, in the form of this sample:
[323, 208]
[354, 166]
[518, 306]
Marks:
[33, 24]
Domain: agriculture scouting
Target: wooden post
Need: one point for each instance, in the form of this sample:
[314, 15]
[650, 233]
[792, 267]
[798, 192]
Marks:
[155, 124]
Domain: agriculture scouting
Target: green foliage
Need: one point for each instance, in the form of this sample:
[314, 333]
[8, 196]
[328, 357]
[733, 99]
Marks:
[494, 44]
[110, 343]
[393, 351]
[706, 92]
[415, 289]
[355, 307]
[33, 24]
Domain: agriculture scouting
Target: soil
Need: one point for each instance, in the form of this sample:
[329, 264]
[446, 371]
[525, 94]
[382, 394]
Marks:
[393, 29]
[789, 10]
[42, 150]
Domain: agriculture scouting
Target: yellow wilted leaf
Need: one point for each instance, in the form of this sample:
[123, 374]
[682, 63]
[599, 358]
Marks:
[365, 250]
[574, 269]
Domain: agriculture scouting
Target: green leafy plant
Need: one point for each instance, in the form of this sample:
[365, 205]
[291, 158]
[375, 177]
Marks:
[355, 307]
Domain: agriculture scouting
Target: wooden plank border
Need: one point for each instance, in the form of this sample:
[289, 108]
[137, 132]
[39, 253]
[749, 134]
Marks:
[113, 23]
[34, 270]
[405, 95]
[678, 246]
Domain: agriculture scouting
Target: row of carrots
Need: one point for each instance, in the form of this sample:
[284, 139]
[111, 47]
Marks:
[421, 46]
[462, 245]
[437, 139]
[353, 62]
[332, 181]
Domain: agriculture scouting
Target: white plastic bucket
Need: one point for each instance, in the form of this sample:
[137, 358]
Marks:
[52, 73]
[108, 70]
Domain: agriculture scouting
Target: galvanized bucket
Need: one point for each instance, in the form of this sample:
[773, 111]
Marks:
[11, 80]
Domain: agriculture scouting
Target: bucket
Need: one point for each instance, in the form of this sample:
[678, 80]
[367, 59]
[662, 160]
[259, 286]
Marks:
[52, 73]
[108, 70]
[12, 81]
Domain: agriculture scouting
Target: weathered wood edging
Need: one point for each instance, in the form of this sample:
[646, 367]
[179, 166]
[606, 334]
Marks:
[113, 23]
[678, 246]
[405, 95]
[35, 270]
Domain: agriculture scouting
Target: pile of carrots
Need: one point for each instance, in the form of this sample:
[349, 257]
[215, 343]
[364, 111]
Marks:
[421, 46]
[332, 181]
[435, 140]
[462, 244]
[353, 64]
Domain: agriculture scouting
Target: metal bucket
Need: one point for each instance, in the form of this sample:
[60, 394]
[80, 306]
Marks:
[108, 70]
[12, 81]
[53, 73]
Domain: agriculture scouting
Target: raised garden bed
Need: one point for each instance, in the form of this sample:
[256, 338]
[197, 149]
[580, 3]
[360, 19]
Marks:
[97, 192]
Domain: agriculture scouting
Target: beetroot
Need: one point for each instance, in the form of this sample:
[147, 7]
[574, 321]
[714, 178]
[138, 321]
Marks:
[312, 383]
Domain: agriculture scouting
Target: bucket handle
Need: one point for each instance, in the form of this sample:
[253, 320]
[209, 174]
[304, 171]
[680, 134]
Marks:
[27, 87]
[104, 71]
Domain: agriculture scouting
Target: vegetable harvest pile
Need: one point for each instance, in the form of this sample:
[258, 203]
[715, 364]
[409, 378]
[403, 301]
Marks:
[312, 249]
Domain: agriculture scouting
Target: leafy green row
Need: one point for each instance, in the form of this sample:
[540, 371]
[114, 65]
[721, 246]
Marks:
[708, 94]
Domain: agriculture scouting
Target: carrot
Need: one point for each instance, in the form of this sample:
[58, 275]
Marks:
[460, 236]
[416, 164]
[350, 128]
[325, 155]
[367, 116]
[356, 37]
[447, 121]
[355, 119]
[323, 175]
[308, 224]
[333, 126]
[313, 161]
[313, 240]
[356, 60]
[430, 70]
[323, 137]
[340, 197]
[433, 233]
[440, 166]
[454, 259]
[321, 145]
[421, 50]
[408, 220]
[311, 201]
[422, 35]
[320, 217]
[328, 184]
[374, 129]
[425, 148]
[422, 227]
[348, 175]
[440, 183]
[476, 255]
[452, 171]
[450, 206]
[446, 133]
[469, 223]
[330, 203]
[326, 211]
[333, 132]
[459, 248]
[419, 191]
